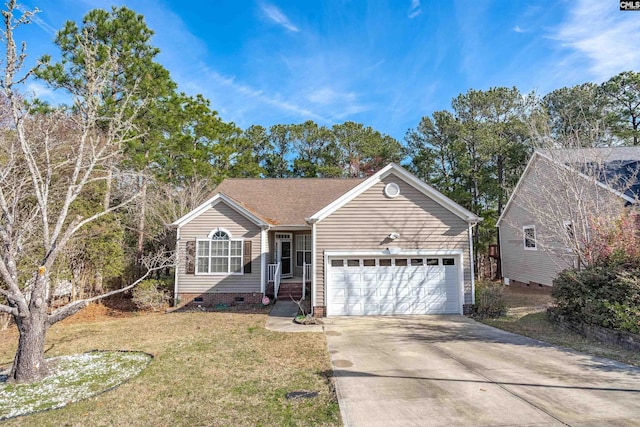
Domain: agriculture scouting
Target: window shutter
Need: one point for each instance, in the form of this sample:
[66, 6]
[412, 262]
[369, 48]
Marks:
[247, 256]
[190, 259]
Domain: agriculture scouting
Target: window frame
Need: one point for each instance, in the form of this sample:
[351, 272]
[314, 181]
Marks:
[228, 255]
[301, 238]
[525, 238]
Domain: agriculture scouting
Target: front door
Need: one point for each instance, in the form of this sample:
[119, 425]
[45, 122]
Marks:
[283, 254]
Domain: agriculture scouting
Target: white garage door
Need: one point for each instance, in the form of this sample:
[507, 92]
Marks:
[393, 285]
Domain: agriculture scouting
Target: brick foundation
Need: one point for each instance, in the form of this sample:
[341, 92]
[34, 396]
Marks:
[531, 285]
[213, 299]
[319, 311]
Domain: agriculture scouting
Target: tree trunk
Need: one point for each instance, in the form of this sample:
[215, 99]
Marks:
[500, 164]
[141, 224]
[107, 192]
[29, 364]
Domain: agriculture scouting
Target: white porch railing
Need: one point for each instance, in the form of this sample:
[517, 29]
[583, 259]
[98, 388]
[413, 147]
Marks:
[273, 275]
[306, 277]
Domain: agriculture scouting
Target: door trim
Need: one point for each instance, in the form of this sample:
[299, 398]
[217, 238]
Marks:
[284, 237]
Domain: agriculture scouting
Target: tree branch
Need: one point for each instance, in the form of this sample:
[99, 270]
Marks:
[10, 310]
[153, 263]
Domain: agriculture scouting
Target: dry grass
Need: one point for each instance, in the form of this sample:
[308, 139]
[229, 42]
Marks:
[527, 316]
[209, 369]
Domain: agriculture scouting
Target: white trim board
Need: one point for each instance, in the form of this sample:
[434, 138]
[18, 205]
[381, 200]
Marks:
[402, 252]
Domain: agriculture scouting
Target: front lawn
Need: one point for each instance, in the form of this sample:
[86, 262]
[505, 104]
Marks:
[210, 368]
[527, 316]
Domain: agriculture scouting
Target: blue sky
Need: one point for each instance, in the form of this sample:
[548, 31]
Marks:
[382, 63]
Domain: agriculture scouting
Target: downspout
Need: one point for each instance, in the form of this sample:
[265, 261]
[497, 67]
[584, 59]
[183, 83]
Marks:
[314, 263]
[175, 277]
[471, 263]
[263, 258]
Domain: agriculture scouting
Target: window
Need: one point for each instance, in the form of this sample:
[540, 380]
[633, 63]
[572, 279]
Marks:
[303, 249]
[433, 261]
[353, 263]
[529, 232]
[219, 254]
[369, 262]
[448, 261]
[417, 261]
[568, 228]
[384, 263]
[401, 262]
[337, 263]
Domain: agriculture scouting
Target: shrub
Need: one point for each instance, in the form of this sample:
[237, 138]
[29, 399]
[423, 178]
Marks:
[490, 302]
[151, 295]
[603, 295]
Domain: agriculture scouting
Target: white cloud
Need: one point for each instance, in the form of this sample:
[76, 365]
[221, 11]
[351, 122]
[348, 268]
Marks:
[606, 37]
[39, 22]
[39, 90]
[224, 88]
[517, 29]
[414, 9]
[276, 15]
[327, 96]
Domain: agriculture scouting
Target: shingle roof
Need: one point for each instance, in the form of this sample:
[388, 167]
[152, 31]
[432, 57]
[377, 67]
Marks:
[616, 167]
[286, 201]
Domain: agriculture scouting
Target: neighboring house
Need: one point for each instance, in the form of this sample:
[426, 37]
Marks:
[388, 244]
[549, 213]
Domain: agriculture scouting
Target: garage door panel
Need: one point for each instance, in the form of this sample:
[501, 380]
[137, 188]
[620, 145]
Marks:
[369, 292]
[352, 278]
[369, 278]
[418, 288]
[354, 292]
[338, 292]
[403, 292]
[386, 308]
[386, 292]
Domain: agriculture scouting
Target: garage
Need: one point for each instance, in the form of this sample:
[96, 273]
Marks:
[388, 285]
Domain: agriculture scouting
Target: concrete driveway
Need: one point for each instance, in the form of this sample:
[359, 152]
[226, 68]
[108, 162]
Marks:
[453, 371]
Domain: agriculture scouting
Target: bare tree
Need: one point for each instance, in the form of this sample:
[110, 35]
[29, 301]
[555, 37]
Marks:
[47, 160]
[569, 193]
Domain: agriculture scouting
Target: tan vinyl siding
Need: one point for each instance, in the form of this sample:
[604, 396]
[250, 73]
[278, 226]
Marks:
[545, 199]
[537, 266]
[220, 215]
[365, 222]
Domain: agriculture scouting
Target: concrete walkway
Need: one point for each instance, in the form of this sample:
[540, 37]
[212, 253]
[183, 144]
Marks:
[453, 371]
[281, 317]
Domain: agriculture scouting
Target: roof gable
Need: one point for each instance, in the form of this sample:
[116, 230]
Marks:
[218, 198]
[410, 179]
[615, 169]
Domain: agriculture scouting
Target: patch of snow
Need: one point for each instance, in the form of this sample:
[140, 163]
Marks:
[74, 378]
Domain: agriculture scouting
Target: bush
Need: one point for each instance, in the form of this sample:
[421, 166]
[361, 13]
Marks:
[151, 295]
[603, 295]
[490, 302]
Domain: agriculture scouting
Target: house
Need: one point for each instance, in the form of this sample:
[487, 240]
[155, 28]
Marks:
[549, 214]
[388, 244]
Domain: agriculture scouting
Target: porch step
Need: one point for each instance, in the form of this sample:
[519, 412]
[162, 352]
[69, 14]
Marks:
[290, 288]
